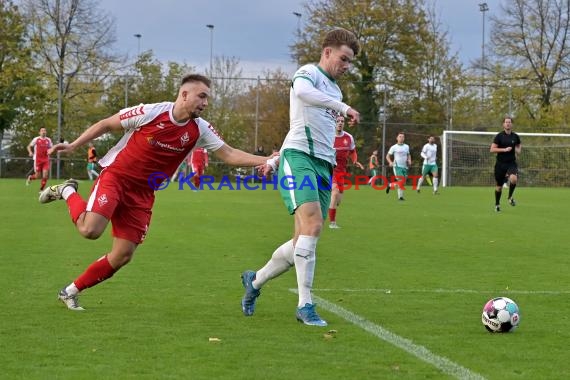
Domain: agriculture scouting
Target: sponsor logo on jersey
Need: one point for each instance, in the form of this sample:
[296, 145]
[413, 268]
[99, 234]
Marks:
[153, 142]
[303, 73]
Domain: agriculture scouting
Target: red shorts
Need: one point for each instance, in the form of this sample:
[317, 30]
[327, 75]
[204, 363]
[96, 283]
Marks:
[127, 204]
[340, 179]
[40, 166]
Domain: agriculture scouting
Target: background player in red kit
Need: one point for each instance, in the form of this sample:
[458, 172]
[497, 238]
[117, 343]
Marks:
[40, 144]
[157, 138]
[345, 149]
[199, 163]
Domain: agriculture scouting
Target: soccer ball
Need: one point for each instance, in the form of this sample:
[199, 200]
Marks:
[500, 315]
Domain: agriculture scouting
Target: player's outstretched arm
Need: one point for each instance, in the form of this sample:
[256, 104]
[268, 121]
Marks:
[109, 124]
[236, 157]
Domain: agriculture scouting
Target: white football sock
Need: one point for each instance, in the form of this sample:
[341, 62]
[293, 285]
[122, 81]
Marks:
[281, 261]
[400, 193]
[435, 183]
[420, 182]
[67, 191]
[305, 259]
[71, 289]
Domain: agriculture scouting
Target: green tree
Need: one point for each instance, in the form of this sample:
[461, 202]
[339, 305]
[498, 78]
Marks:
[530, 46]
[21, 95]
[223, 111]
[73, 40]
[265, 110]
[146, 81]
[401, 50]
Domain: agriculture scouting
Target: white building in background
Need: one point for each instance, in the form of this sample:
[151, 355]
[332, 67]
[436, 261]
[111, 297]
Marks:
[5, 143]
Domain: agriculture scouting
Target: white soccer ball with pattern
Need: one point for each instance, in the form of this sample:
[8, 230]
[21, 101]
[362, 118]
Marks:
[501, 315]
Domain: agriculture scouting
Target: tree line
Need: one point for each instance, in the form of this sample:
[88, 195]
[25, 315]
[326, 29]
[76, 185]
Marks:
[59, 69]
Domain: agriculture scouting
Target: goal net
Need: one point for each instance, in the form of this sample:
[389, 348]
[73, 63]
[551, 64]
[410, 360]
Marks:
[466, 160]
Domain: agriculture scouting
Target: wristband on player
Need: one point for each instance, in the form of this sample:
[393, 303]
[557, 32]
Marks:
[273, 162]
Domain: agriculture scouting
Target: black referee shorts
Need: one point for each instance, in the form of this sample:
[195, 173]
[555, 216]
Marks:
[503, 169]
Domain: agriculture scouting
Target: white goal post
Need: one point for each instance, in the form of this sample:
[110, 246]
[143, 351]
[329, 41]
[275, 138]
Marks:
[466, 160]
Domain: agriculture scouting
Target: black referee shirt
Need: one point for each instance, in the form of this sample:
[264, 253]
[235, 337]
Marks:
[504, 140]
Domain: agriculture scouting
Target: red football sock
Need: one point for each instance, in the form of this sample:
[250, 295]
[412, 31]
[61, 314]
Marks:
[76, 206]
[43, 184]
[97, 272]
[197, 181]
[332, 214]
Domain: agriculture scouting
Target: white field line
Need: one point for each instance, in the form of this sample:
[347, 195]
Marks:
[445, 365]
[439, 290]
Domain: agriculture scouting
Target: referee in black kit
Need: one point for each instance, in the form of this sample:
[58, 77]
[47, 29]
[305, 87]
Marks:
[507, 145]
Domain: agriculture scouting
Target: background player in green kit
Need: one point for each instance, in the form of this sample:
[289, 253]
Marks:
[429, 154]
[308, 155]
[400, 164]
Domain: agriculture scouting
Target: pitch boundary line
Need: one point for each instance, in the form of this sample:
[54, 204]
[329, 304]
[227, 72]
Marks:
[442, 363]
[440, 290]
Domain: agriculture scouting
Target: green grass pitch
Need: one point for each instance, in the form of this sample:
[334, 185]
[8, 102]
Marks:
[402, 283]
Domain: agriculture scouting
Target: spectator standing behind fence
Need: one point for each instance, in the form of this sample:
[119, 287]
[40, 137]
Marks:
[92, 162]
[400, 164]
[507, 145]
[373, 167]
[40, 145]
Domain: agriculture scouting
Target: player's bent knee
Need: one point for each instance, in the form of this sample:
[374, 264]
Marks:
[90, 232]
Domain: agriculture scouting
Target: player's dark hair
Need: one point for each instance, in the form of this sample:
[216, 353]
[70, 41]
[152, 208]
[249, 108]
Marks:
[196, 78]
[509, 117]
[338, 37]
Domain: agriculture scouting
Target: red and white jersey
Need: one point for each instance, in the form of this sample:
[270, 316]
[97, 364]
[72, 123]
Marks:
[155, 142]
[199, 157]
[41, 146]
[345, 149]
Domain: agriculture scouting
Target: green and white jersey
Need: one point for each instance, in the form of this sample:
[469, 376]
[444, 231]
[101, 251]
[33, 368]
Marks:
[429, 154]
[315, 102]
[400, 153]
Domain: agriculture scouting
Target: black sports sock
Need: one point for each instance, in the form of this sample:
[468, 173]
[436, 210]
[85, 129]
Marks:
[498, 197]
[512, 189]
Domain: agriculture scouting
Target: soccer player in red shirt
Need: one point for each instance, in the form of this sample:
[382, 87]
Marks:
[199, 163]
[157, 137]
[40, 144]
[345, 150]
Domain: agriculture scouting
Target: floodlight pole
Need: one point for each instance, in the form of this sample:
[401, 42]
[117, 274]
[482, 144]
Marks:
[298, 15]
[138, 36]
[483, 7]
[211, 27]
